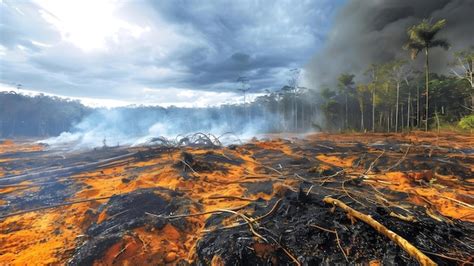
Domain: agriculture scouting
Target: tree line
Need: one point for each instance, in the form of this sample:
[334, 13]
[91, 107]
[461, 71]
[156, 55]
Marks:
[37, 116]
[286, 110]
[398, 97]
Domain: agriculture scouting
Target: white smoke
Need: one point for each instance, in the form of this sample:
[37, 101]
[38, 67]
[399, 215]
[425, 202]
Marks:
[136, 126]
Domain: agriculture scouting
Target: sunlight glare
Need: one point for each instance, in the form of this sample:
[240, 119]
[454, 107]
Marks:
[89, 25]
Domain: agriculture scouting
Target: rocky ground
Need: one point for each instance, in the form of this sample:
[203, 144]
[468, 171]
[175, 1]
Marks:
[265, 202]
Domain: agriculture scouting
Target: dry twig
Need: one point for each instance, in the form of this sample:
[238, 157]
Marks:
[189, 166]
[400, 241]
[457, 201]
[192, 214]
[337, 238]
[399, 161]
[409, 218]
[374, 162]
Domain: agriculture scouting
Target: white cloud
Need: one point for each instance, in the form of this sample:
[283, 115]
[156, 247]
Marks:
[111, 49]
[3, 50]
[88, 24]
[189, 98]
[40, 44]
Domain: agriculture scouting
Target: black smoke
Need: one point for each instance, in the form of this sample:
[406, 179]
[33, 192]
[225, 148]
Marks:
[374, 31]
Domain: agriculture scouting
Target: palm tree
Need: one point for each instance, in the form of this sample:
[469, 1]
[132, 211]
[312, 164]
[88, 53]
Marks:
[422, 37]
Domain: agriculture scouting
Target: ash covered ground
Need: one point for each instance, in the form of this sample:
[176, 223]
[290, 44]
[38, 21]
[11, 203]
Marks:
[194, 201]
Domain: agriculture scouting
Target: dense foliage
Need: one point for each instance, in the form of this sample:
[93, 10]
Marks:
[373, 105]
[399, 97]
[467, 122]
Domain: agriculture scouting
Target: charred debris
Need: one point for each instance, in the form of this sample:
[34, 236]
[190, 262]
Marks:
[379, 199]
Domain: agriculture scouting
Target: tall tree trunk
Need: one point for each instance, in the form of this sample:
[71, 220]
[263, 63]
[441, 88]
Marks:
[401, 130]
[389, 118]
[302, 116]
[472, 100]
[396, 107]
[346, 119]
[427, 80]
[417, 106]
[295, 112]
[362, 116]
[380, 120]
[471, 70]
[373, 110]
[408, 111]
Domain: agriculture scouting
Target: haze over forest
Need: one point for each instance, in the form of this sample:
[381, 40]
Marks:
[137, 69]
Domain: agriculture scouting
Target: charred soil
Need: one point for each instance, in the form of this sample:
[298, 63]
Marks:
[268, 202]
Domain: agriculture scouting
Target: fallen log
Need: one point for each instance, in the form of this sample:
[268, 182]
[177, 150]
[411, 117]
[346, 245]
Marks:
[400, 241]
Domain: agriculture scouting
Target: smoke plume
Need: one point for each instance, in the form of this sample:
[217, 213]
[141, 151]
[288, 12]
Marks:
[374, 31]
[136, 126]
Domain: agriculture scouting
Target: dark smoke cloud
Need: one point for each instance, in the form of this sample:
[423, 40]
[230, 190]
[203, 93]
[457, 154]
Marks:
[374, 31]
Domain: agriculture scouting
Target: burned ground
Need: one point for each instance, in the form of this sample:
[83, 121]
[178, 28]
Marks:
[126, 212]
[262, 202]
[302, 223]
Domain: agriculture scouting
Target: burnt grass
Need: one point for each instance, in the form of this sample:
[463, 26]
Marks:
[126, 212]
[48, 194]
[293, 224]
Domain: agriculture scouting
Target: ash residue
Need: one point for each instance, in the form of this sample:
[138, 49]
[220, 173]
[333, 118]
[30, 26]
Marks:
[126, 212]
[47, 195]
[253, 188]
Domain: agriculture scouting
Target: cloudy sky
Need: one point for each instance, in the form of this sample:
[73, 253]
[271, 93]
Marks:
[157, 52]
[374, 31]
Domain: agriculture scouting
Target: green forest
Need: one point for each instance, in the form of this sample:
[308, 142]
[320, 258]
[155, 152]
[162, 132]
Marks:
[398, 97]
